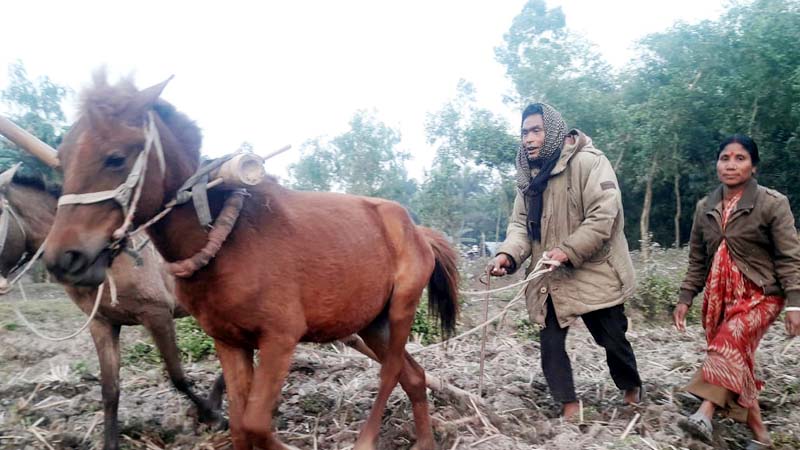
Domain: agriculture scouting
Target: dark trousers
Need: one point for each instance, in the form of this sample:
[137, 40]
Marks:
[608, 327]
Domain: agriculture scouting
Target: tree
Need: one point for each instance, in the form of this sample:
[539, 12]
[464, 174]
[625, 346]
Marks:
[465, 193]
[36, 107]
[363, 160]
[314, 171]
[548, 63]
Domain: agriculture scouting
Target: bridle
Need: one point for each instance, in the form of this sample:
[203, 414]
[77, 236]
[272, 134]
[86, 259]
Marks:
[6, 217]
[127, 194]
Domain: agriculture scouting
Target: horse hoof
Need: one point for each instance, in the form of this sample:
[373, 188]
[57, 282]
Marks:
[213, 419]
[419, 446]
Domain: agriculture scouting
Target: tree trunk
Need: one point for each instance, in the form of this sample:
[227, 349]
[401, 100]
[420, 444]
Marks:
[753, 117]
[619, 159]
[644, 222]
[618, 162]
[497, 222]
[677, 179]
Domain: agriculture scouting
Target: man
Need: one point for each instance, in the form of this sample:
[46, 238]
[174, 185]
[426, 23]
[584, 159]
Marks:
[568, 208]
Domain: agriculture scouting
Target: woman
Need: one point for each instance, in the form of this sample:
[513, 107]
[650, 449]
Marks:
[745, 256]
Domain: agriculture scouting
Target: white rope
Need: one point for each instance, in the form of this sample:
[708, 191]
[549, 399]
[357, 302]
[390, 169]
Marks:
[537, 271]
[17, 281]
[63, 338]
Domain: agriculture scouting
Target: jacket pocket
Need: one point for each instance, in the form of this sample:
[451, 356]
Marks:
[597, 282]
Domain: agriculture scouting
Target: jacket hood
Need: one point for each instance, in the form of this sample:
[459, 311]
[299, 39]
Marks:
[582, 141]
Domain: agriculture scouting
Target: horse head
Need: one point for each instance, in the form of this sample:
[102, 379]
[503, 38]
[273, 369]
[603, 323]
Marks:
[121, 161]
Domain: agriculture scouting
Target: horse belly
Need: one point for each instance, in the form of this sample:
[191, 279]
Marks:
[332, 320]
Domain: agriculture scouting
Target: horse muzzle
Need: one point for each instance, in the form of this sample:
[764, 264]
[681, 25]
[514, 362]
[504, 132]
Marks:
[80, 268]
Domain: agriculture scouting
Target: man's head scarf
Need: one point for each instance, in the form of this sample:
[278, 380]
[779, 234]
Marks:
[555, 130]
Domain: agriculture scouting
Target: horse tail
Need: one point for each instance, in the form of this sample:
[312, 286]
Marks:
[443, 285]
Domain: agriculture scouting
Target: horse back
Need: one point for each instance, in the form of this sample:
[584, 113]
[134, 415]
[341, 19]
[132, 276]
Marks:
[321, 263]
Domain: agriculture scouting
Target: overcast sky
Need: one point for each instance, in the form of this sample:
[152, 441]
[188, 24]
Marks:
[282, 72]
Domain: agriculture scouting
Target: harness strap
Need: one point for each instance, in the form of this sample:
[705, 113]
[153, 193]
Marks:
[122, 194]
[5, 220]
[195, 188]
[3, 227]
[200, 200]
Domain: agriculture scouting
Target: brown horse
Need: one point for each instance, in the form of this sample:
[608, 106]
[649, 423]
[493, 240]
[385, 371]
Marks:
[144, 293]
[297, 266]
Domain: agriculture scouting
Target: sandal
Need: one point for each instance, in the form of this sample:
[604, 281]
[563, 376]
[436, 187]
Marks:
[698, 426]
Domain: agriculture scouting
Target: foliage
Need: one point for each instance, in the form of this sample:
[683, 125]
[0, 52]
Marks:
[425, 329]
[80, 367]
[193, 344]
[655, 296]
[36, 107]
[363, 161]
[141, 353]
[525, 330]
[473, 153]
[658, 285]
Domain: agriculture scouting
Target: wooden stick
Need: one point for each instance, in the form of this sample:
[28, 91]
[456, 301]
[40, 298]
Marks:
[95, 420]
[629, 427]
[483, 336]
[40, 437]
[28, 142]
[276, 152]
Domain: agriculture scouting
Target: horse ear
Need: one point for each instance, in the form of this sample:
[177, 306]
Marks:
[8, 175]
[146, 98]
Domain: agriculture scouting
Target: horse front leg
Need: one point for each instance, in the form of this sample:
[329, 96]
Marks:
[275, 356]
[106, 341]
[162, 329]
[237, 368]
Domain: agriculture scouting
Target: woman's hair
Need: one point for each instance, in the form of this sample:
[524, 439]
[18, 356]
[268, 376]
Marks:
[745, 141]
[532, 109]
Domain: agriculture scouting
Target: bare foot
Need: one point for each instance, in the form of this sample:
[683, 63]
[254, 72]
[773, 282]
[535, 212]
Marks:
[754, 421]
[570, 410]
[632, 396]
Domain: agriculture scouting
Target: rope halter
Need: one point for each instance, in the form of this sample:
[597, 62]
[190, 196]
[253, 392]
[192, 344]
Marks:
[127, 194]
[5, 220]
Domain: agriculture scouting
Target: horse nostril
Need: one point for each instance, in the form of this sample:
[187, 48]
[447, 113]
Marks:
[73, 262]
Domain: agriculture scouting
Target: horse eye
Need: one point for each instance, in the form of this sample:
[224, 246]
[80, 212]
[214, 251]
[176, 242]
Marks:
[114, 161]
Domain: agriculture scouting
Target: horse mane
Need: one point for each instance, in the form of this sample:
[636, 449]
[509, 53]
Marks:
[103, 101]
[36, 182]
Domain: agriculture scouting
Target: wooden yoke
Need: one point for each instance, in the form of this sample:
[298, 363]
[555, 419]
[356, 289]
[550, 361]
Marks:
[28, 142]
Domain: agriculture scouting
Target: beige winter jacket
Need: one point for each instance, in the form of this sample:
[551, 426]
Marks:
[582, 215]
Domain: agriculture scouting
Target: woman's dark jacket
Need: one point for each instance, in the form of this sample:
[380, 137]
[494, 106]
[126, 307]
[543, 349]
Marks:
[762, 241]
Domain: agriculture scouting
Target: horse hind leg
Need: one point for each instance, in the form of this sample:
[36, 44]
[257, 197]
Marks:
[412, 380]
[162, 329]
[387, 337]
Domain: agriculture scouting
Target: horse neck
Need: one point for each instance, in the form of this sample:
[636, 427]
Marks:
[178, 235]
[36, 209]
